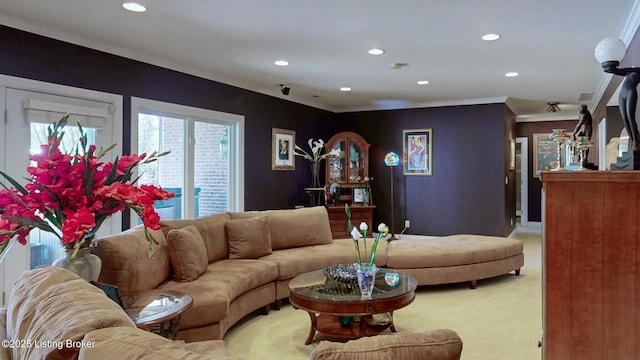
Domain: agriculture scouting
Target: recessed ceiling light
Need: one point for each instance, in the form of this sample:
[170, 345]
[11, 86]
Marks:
[281, 62]
[511, 74]
[376, 51]
[423, 82]
[490, 37]
[134, 6]
[345, 88]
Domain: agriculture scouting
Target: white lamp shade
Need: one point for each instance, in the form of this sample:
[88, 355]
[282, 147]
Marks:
[610, 49]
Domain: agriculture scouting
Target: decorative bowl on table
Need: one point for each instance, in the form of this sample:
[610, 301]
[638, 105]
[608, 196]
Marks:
[343, 273]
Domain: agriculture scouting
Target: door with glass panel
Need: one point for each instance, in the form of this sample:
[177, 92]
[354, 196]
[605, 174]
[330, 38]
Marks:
[201, 168]
[28, 115]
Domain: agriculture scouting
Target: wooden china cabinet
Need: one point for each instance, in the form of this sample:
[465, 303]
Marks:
[591, 265]
[345, 176]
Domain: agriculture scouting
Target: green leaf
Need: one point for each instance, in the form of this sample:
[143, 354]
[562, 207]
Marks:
[102, 152]
[374, 248]
[15, 184]
[112, 173]
[40, 224]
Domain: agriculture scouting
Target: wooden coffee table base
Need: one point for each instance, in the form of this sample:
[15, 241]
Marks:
[330, 326]
[325, 300]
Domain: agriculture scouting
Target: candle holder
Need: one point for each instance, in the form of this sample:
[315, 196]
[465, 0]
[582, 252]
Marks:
[583, 145]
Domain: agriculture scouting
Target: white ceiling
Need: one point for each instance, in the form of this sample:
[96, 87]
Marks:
[549, 42]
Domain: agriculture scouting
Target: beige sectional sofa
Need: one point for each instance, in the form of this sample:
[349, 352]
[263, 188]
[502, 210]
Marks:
[237, 262]
[54, 314]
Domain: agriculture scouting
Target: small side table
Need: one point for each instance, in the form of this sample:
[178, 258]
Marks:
[157, 311]
[316, 195]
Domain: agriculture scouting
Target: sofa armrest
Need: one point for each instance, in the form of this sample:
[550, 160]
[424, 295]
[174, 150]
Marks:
[442, 344]
[132, 343]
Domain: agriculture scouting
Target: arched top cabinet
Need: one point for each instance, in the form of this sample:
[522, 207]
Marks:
[352, 165]
[348, 173]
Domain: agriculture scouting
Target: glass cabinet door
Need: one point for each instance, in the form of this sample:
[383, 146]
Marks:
[351, 166]
[356, 162]
[337, 164]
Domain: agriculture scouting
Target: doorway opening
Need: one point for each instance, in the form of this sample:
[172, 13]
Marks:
[522, 185]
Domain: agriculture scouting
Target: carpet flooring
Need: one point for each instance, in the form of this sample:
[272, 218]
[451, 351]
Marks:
[500, 320]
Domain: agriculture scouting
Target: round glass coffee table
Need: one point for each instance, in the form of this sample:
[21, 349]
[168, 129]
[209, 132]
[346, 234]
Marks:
[157, 311]
[332, 305]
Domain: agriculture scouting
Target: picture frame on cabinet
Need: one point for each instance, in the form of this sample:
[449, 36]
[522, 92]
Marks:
[282, 144]
[545, 153]
[417, 148]
[360, 195]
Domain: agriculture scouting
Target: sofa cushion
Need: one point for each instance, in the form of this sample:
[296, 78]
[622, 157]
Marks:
[126, 262]
[187, 252]
[440, 344]
[53, 305]
[295, 261]
[248, 238]
[211, 229]
[214, 290]
[130, 343]
[294, 227]
[453, 250]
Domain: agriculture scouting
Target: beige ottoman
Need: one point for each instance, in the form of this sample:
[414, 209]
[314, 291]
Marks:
[455, 258]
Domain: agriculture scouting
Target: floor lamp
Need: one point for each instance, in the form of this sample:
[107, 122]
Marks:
[392, 160]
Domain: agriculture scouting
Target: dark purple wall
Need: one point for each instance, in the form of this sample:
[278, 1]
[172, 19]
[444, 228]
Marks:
[466, 194]
[32, 56]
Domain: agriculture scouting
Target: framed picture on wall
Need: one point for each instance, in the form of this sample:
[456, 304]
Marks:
[282, 145]
[417, 151]
[512, 155]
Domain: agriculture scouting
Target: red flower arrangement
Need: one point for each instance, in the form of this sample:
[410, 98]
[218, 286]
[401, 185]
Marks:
[72, 195]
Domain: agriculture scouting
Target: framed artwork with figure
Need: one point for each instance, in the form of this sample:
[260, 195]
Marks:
[417, 151]
[282, 145]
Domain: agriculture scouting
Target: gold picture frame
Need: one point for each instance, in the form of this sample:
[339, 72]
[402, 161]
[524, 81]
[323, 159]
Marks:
[282, 145]
[512, 154]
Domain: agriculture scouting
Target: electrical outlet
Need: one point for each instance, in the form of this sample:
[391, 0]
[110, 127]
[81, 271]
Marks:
[407, 224]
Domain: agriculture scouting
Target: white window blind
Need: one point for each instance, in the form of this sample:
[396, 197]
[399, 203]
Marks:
[47, 112]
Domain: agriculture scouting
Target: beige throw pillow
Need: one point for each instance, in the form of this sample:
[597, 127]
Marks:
[187, 252]
[248, 238]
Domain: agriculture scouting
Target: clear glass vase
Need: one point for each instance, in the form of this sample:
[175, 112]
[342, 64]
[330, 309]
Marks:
[366, 279]
[86, 264]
